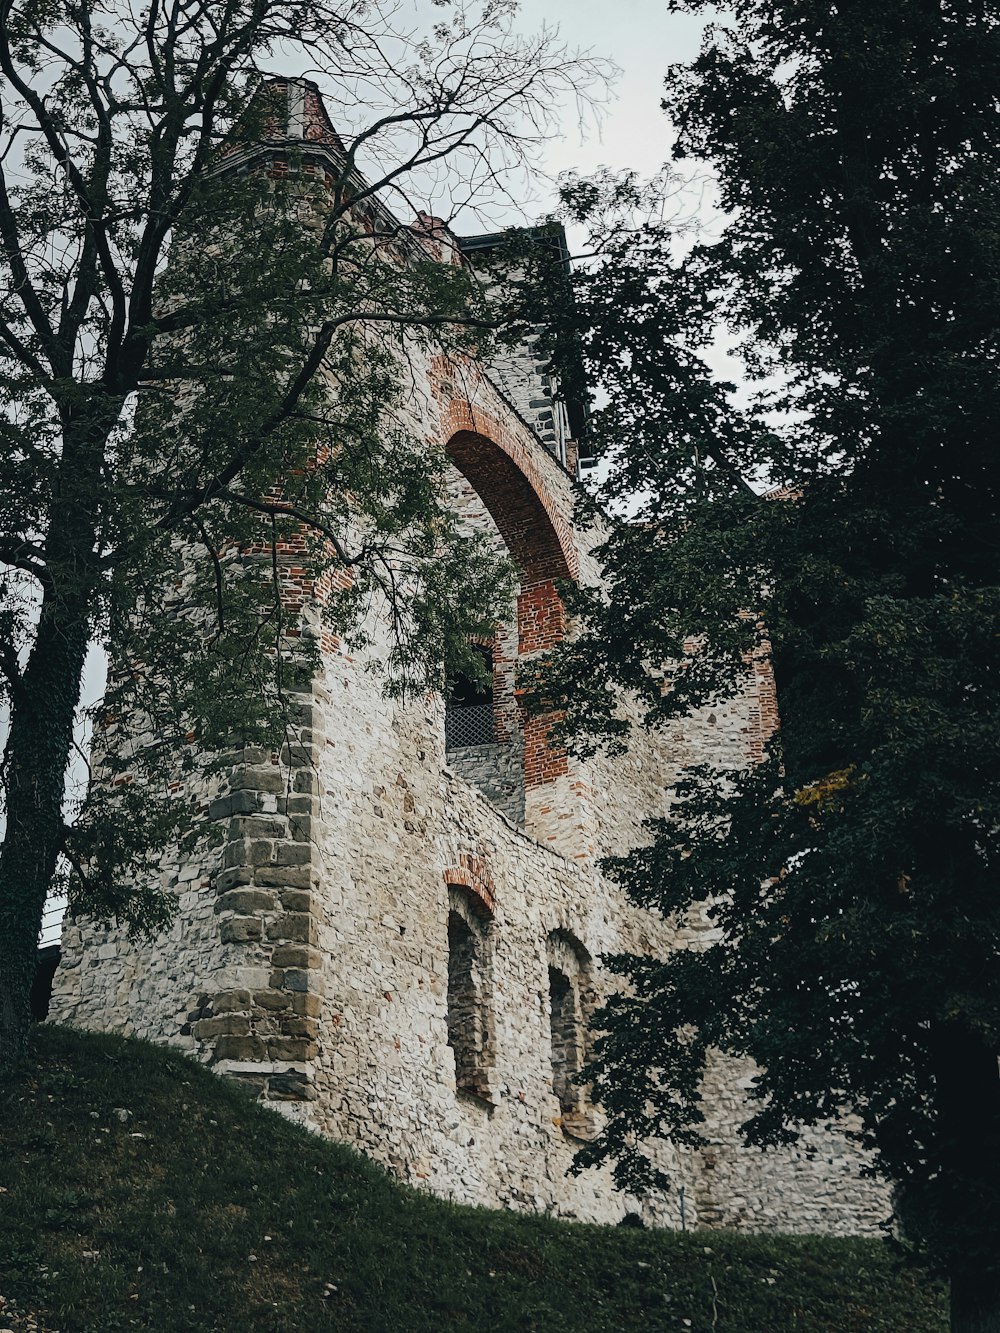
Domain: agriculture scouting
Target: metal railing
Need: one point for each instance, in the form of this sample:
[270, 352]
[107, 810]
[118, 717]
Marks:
[471, 725]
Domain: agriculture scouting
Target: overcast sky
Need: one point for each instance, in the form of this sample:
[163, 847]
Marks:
[629, 131]
[642, 39]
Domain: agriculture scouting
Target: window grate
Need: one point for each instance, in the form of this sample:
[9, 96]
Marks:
[472, 725]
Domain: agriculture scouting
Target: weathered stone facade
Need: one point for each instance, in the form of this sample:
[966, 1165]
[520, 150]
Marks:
[400, 944]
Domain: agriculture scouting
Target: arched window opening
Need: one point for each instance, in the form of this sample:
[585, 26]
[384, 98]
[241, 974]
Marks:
[469, 1014]
[483, 734]
[571, 1001]
[468, 714]
[502, 491]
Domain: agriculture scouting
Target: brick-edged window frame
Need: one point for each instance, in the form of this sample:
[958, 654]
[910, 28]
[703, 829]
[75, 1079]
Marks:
[570, 1002]
[472, 873]
[469, 1016]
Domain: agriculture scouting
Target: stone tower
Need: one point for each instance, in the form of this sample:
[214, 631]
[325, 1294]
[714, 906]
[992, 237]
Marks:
[398, 939]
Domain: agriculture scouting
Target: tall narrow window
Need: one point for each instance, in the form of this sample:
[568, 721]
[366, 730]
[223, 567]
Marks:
[570, 1002]
[564, 1021]
[469, 1014]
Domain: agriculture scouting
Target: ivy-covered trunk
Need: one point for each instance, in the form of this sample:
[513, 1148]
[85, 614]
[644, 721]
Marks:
[41, 726]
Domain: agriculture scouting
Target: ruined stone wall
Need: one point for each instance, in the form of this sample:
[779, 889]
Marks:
[813, 1187]
[497, 770]
[107, 982]
[386, 1076]
[521, 372]
[310, 956]
[228, 981]
[310, 953]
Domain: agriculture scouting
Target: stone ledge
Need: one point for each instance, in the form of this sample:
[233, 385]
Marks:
[237, 803]
[262, 1067]
[269, 780]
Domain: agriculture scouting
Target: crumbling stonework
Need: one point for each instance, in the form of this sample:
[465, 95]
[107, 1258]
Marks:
[400, 945]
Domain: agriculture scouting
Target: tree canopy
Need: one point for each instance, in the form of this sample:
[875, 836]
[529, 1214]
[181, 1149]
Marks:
[203, 368]
[852, 876]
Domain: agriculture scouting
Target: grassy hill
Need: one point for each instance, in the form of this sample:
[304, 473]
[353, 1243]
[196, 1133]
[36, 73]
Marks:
[137, 1191]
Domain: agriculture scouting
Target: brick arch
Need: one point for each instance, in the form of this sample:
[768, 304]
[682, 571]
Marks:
[473, 874]
[500, 469]
[524, 518]
[512, 490]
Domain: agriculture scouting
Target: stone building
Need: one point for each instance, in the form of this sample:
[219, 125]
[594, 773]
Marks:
[398, 939]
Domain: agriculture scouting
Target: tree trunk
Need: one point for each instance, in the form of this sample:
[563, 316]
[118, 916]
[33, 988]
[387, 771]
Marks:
[968, 1186]
[38, 750]
[975, 1303]
[41, 726]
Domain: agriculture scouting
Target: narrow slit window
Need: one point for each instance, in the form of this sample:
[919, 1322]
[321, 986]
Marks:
[570, 1003]
[469, 1014]
[464, 1036]
[564, 1020]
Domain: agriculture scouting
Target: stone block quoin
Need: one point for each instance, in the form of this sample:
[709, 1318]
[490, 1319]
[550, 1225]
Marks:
[262, 1023]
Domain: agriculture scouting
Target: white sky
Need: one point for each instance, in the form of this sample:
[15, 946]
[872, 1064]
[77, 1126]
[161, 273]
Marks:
[642, 39]
[629, 131]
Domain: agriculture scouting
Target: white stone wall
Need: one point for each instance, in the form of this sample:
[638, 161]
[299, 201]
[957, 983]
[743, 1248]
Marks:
[522, 374]
[497, 770]
[108, 982]
[309, 952]
[385, 1074]
[814, 1187]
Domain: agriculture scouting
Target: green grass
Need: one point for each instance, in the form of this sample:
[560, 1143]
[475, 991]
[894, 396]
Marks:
[203, 1211]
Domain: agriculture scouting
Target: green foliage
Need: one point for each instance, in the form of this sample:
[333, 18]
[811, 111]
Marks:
[210, 460]
[853, 876]
[105, 1225]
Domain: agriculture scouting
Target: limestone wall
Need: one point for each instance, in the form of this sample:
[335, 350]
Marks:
[522, 374]
[385, 1076]
[814, 1187]
[107, 982]
[497, 770]
[310, 952]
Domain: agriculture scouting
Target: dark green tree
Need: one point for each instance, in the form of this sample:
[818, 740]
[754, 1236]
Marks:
[853, 875]
[202, 368]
